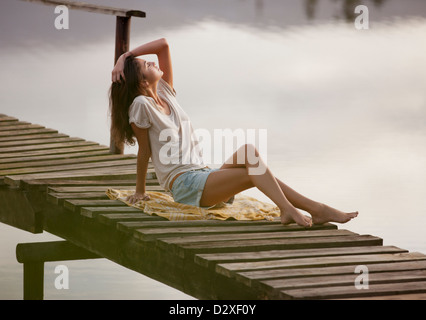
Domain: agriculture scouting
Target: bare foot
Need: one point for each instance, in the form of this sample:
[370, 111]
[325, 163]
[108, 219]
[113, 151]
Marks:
[291, 214]
[325, 213]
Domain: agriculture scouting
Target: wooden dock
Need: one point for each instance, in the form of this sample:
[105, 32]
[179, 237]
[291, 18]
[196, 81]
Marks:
[52, 182]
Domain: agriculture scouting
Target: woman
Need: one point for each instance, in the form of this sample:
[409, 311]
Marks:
[144, 106]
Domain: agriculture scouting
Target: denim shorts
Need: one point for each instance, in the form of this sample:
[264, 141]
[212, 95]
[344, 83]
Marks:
[188, 187]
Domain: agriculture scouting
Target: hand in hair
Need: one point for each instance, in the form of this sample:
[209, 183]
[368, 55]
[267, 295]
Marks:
[118, 70]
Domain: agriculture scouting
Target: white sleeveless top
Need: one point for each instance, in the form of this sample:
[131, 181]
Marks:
[174, 145]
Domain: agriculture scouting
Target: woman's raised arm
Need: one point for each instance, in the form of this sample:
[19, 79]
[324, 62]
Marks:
[158, 47]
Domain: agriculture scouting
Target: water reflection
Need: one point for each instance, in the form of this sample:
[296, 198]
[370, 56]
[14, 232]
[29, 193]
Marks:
[26, 24]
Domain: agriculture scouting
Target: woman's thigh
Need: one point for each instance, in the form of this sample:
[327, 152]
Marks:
[222, 184]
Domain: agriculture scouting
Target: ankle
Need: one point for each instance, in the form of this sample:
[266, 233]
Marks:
[315, 208]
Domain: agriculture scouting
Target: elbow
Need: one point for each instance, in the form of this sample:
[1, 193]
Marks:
[164, 43]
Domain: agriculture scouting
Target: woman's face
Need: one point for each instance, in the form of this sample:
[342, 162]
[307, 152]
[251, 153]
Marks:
[150, 71]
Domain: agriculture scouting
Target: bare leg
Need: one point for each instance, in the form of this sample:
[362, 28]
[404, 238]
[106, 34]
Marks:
[321, 213]
[231, 179]
[223, 184]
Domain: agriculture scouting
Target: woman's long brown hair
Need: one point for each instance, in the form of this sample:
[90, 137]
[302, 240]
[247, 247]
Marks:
[121, 96]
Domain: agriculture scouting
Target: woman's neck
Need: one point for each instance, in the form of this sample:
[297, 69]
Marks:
[152, 92]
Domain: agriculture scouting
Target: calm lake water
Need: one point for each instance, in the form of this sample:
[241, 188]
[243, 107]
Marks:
[344, 109]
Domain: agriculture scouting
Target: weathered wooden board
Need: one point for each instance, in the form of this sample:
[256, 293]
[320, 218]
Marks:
[17, 126]
[253, 277]
[33, 136]
[66, 154]
[113, 218]
[230, 269]
[273, 287]
[68, 167]
[351, 291]
[244, 234]
[100, 188]
[97, 173]
[134, 226]
[273, 244]
[209, 260]
[75, 205]
[110, 182]
[47, 146]
[37, 141]
[53, 152]
[89, 7]
[37, 162]
[94, 212]
[26, 132]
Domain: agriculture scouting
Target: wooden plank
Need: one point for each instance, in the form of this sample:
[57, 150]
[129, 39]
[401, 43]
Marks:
[63, 154]
[90, 174]
[58, 199]
[101, 188]
[75, 205]
[274, 244]
[68, 167]
[241, 236]
[352, 291]
[272, 288]
[19, 143]
[14, 126]
[88, 7]
[134, 226]
[209, 260]
[26, 132]
[5, 118]
[47, 146]
[93, 212]
[17, 181]
[130, 226]
[74, 153]
[33, 136]
[152, 234]
[66, 161]
[229, 269]
[65, 151]
[114, 218]
[409, 296]
[250, 278]
[35, 184]
[14, 123]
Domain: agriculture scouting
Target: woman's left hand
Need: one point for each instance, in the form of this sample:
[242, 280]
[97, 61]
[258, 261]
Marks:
[118, 70]
[132, 199]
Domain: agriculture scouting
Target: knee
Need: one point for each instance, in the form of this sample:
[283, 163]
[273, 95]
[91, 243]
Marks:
[250, 149]
[247, 154]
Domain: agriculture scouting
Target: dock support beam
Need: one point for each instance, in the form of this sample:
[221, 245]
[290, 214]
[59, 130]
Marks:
[122, 42]
[34, 255]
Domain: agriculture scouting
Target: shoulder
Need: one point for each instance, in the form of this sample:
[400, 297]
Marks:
[140, 113]
[140, 102]
[141, 105]
[165, 87]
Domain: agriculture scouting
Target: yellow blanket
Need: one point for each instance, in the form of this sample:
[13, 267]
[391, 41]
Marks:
[162, 204]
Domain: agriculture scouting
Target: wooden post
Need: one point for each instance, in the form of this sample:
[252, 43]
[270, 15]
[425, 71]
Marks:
[122, 42]
[33, 280]
[34, 255]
